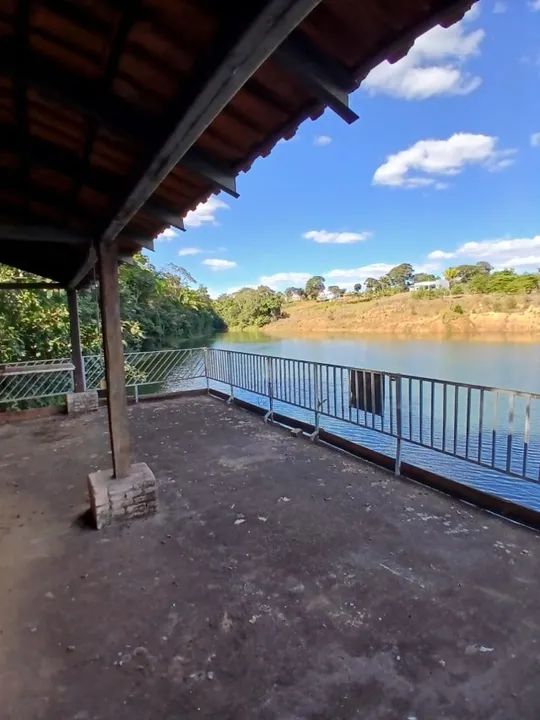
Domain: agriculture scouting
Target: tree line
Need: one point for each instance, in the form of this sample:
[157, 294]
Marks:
[477, 278]
[160, 309]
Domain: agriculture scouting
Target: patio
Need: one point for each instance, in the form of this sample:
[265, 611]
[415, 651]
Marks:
[279, 580]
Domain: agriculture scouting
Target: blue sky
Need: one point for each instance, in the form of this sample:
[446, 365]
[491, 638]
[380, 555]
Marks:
[442, 168]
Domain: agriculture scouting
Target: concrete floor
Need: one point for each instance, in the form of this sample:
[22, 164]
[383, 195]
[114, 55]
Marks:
[280, 581]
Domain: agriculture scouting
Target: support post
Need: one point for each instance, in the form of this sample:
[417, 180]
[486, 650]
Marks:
[399, 428]
[114, 359]
[79, 380]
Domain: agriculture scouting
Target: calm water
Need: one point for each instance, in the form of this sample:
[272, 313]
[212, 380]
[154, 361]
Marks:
[498, 364]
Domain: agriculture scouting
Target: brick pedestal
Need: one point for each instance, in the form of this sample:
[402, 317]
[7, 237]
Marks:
[82, 402]
[131, 497]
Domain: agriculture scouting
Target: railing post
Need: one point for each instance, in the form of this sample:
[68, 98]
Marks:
[270, 376]
[270, 389]
[205, 356]
[316, 401]
[231, 396]
[397, 467]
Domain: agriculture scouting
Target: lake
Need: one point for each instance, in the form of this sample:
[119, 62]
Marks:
[497, 364]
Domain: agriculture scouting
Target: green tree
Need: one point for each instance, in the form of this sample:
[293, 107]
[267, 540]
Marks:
[314, 287]
[159, 310]
[401, 276]
[423, 277]
[357, 288]
[372, 285]
[249, 307]
[504, 281]
[465, 273]
[484, 267]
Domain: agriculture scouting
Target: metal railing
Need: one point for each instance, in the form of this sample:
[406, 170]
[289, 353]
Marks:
[162, 371]
[33, 380]
[492, 428]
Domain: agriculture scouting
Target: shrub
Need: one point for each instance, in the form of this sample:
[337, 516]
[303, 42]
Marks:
[457, 309]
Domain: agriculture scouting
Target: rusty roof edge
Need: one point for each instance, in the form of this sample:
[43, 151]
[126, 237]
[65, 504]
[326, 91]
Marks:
[393, 52]
[397, 49]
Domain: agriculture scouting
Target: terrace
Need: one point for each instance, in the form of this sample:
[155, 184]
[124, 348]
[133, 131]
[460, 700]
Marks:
[265, 576]
[280, 579]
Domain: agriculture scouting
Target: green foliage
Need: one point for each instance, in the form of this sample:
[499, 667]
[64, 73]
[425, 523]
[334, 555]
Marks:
[357, 288]
[372, 285]
[457, 309]
[314, 287]
[428, 294]
[249, 307]
[159, 310]
[400, 276]
[465, 273]
[504, 281]
[423, 277]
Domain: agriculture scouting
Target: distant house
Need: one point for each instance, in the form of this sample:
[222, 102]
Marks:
[439, 284]
[295, 297]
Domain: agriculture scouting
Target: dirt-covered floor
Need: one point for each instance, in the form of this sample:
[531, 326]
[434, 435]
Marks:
[280, 580]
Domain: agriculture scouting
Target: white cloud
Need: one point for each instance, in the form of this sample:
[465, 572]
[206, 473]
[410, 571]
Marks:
[500, 7]
[440, 255]
[441, 157]
[518, 253]
[205, 213]
[322, 140]
[348, 277]
[534, 5]
[217, 264]
[323, 237]
[189, 251]
[281, 280]
[167, 235]
[433, 66]
[535, 139]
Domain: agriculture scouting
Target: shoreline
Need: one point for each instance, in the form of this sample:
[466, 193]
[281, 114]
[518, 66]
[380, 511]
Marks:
[479, 318]
[479, 337]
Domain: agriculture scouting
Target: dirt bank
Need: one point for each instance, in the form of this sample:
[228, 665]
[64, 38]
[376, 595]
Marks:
[485, 316]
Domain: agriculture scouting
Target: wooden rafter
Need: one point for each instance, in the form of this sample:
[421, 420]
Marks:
[327, 79]
[269, 29]
[127, 19]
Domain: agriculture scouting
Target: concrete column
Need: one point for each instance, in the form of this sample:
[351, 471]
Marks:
[79, 379]
[114, 359]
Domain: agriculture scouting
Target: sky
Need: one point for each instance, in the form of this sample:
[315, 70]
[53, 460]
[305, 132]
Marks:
[442, 168]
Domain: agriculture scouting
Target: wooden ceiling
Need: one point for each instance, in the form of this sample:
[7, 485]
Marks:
[119, 116]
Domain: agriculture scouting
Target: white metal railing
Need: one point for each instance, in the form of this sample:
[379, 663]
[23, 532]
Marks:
[490, 427]
[494, 428]
[32, 380]
[25, 383]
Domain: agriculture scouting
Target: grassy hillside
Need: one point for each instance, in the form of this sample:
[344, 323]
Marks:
[488, 316]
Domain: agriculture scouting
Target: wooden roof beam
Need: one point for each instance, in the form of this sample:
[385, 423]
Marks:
[40, 233]
[164, 214]
[328, 80]
[271, 26]
[84, 269]
[204, 166]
